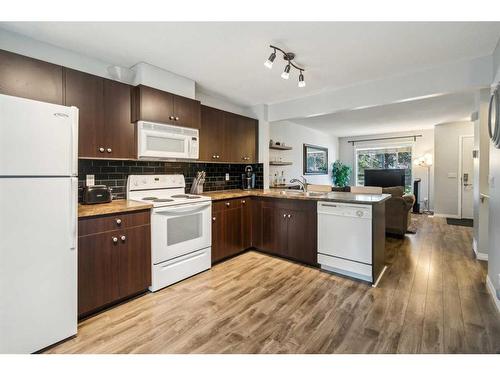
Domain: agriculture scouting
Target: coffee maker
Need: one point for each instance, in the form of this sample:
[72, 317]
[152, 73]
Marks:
[248, 178]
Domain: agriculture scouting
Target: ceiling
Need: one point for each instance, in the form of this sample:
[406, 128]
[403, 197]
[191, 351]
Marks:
[410, 115]
[227, 58]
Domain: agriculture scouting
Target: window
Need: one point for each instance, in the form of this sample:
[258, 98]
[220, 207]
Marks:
[384, 158]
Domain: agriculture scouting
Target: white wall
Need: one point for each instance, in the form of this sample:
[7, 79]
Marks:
[295, 136]
[423, 145]
[446, 166]
[481, 171]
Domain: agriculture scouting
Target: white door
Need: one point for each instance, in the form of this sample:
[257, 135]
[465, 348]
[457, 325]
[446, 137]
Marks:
[38, 262]
[467, 177]
[37, 139]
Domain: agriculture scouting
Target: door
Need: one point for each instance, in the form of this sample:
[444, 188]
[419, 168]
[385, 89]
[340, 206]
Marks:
[187, 112]
[36, 138]
[134, 273]
[29, 78]
[274, 229]
[246, 222]
[232, 138]
[302, 236]
[467, 177]
[119, 130]
[38, 260]
[218, 242]
[246, 129]
[179, 230]
[153, 105]
[98, 260]
[232, 231]
[211, 134]
[85, 92]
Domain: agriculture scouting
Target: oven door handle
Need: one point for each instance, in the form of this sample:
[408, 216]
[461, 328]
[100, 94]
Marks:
[187, 210]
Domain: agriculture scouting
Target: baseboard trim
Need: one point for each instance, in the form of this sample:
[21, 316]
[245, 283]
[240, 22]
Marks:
[493, 292]
[479, 255]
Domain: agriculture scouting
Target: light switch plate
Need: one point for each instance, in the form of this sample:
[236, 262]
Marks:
[90, 180]
[227, 176]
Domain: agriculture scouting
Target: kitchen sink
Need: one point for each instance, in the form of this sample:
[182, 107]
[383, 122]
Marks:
[300, 193]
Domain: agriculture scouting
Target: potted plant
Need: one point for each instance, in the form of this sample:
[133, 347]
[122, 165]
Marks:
[341, 174]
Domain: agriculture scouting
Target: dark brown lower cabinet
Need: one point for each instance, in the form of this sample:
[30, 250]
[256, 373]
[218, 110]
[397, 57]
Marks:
[112, 264]
[281, 227]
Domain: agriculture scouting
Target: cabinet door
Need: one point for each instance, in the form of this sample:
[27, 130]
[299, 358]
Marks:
[97, 271]
[232, 231]
[218, 243]
[29, 78]
[246, 140]
[85, 91]
[232, 140]
[302, 236]
[187, 112]
[134, 260]
[246, 222]
[211, 134]
[153, 105]
[274, 229]
[120, 132]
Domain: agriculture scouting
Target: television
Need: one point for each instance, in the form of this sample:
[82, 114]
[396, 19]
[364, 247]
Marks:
[385, 177]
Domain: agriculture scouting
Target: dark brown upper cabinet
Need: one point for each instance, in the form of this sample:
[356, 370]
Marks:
[105, 126]
[154, 105]
[29, 78]
[227, 137]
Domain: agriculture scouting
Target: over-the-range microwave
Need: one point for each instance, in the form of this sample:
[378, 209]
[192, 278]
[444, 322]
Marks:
[160, 141]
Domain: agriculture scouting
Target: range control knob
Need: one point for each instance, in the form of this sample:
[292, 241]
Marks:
[359, 213]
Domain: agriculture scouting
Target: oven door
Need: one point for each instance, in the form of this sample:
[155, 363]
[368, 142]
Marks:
[180, 230]
[162, 144]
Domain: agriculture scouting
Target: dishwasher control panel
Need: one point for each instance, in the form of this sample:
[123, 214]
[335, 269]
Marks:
[345, 209]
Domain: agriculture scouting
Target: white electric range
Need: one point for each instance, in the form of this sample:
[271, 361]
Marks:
[181, 229]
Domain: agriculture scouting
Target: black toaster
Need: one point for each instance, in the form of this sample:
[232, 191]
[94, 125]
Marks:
[96, 194]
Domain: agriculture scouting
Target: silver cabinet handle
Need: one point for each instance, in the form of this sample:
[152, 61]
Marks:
[118, 221]
[115, 239]
[214, 218]
[101, 149]
[123, 238]
[109, 150]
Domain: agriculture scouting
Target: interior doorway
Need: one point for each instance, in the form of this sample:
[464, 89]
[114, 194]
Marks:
[466, 177]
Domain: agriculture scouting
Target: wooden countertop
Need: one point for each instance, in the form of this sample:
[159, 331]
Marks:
[116, 206]
[273, 193]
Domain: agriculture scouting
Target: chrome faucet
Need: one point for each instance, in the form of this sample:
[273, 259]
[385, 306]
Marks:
[302, 182]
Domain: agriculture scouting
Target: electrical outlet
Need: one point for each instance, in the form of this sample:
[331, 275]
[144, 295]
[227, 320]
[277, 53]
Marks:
[89, 180]
[227, 176]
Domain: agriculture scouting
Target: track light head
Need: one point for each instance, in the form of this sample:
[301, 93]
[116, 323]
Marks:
[286, 72]
[269, 62]
[302, 83]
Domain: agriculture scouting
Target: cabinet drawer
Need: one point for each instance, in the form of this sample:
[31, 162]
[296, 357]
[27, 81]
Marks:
[227, 204]
[92, 225]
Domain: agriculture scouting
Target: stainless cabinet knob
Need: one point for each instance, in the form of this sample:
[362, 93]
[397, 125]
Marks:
[284, 216]
[118, 221]
[228, 204]
[243, 202]
[289, 216]
[213, 219]
[109, 150]
[115, 239]
[170, 117]
[176, 118]
[101, 149]
[214, 156]
[218, 156]
[123, 238]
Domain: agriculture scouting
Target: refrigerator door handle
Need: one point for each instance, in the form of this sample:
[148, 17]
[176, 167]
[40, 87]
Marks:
[73, 215]
[74, 138]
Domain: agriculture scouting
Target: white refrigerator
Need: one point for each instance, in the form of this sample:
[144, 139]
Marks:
[38, 224]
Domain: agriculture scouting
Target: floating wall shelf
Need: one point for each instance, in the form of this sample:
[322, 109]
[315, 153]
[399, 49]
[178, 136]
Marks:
[280, 163]
[279, 147]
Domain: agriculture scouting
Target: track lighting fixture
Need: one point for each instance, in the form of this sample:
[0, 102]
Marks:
[287, 56]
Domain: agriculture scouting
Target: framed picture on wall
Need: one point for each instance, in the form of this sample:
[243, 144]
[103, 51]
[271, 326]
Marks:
[315, 159]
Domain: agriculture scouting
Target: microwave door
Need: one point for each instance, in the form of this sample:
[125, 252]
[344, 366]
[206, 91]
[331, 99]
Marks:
[164, 145]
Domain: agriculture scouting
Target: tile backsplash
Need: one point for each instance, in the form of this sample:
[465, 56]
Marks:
[114, 173]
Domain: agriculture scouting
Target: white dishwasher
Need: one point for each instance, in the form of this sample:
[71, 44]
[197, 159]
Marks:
[345, 239]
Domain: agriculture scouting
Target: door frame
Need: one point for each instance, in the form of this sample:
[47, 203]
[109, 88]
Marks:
[459, 177]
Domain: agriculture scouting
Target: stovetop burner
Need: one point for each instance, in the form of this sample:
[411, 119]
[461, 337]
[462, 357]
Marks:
[149, 198]
[163, 200]
[193, 197]
[180, 196]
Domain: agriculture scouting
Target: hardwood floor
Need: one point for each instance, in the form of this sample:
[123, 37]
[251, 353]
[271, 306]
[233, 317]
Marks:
[432, 299]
